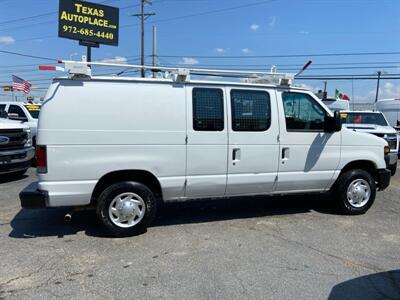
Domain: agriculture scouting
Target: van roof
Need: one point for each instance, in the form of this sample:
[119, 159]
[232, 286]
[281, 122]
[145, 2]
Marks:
[170, 81]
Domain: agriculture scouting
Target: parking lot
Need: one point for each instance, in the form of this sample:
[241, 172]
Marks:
[248, 248]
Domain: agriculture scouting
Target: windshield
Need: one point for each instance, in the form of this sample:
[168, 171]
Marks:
[33, 109]
[363, 118]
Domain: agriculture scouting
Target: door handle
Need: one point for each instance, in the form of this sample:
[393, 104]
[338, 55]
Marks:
[236, 155]
[285, 154]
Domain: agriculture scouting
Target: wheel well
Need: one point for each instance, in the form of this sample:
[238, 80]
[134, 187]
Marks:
[365, 165]
[144, 177]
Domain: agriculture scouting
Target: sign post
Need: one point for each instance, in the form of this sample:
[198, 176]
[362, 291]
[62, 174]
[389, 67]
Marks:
[91, 24]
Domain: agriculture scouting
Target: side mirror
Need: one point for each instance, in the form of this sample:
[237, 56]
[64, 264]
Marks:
[333, 124]
[16, 117]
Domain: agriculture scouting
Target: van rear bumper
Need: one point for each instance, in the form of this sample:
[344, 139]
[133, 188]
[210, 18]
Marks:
[32, 197]
[67, 193]
[383, 178]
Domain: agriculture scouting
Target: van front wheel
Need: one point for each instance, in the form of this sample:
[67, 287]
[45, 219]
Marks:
[126, 208]
[355, 192]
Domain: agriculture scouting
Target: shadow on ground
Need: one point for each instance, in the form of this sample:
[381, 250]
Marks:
[7, 178]
[50, 222]
[385, 285]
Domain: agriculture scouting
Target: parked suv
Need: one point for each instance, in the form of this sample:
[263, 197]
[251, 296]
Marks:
[16, 151]
[24, 112]
[178, 139]
[374, 122]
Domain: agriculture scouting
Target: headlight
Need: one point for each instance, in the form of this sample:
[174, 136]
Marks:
[28, 138]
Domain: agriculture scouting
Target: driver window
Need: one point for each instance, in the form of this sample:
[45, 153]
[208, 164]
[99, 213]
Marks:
[302, 113]
[14, 109]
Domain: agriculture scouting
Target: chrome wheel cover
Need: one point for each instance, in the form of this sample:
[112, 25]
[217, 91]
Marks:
[126, 210]
[358, 193]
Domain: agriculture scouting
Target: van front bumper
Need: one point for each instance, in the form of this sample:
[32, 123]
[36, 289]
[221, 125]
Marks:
[383, 178]
[32, 197]
[16, 160]
[390, 159]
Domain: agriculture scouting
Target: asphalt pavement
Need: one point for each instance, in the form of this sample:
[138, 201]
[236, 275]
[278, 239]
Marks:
[247, 248]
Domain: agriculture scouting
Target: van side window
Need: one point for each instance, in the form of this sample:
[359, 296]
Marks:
[14, 109]
[302, 113]
[251, 110]
[2, 107]
[208, 109]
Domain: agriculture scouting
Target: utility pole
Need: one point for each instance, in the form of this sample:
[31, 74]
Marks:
[154, 49]
[377, 86]
[143, 16]
[352, 91]
[325, 94]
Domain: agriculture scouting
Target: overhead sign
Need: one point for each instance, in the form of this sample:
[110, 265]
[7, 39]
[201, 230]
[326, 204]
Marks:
[89, 22]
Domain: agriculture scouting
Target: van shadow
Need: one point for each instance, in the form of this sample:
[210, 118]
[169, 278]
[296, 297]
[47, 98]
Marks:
[50, 222]
[385, 285]
[12, 178]
[316, 149]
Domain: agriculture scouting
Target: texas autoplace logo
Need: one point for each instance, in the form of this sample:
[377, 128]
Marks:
[4, 140]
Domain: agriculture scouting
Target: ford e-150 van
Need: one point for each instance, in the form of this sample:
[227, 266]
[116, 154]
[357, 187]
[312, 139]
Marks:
[133, 142]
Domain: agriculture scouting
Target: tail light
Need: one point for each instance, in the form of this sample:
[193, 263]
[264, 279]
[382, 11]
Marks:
[41, 159]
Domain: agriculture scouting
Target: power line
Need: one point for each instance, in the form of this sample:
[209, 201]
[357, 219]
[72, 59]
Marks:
[206, 12]
[143, 16]
[27, 55]
[39, 15]
[283, 55]
[167, 19]
[299, 64]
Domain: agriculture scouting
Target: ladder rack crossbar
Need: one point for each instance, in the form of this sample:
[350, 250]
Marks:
[179, 70]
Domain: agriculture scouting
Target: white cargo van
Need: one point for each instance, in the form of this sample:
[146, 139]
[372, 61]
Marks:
[336, 105]
[132, 142]
[391, 109]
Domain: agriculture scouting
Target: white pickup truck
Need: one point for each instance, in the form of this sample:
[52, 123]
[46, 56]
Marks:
[28, 113]
[374, 122]
[178, 139]
[16, 151]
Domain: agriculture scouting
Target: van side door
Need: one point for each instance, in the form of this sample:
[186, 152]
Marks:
[207, 141]
[309, 156]
[253, 141]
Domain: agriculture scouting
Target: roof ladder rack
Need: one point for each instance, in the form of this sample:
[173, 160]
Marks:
[82, 69]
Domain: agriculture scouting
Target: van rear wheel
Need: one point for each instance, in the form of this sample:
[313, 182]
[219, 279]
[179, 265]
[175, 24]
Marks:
[355, 192]
[126, 208]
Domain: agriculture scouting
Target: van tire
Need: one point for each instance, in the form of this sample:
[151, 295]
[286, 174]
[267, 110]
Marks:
[342, 187]
[107, 199]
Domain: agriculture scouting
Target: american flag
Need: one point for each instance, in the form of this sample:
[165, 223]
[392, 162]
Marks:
[20, 84]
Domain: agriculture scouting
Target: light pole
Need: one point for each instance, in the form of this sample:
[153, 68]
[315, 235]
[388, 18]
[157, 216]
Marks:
[377, 86]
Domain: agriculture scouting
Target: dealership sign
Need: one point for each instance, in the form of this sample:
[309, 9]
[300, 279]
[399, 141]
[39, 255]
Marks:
[88, 22]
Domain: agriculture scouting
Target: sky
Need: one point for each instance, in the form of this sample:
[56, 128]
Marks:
[207, 33]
